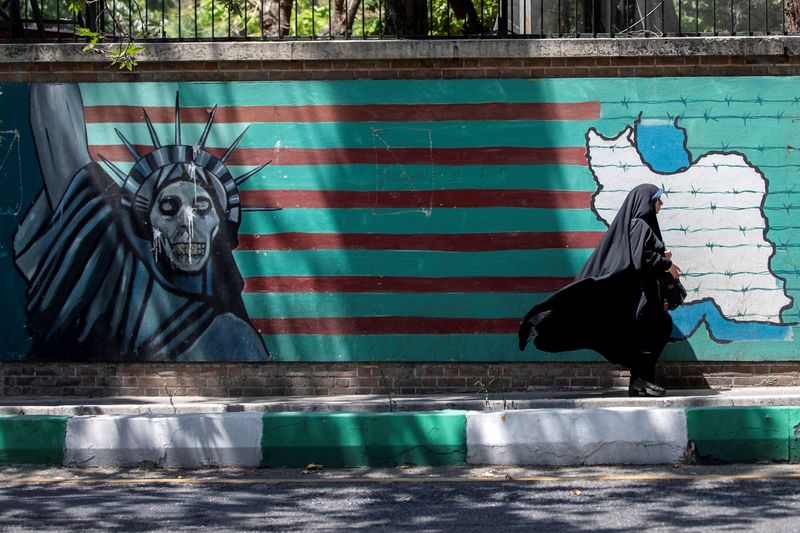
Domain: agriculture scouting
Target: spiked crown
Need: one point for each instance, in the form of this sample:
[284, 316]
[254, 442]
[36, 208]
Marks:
[167, 163]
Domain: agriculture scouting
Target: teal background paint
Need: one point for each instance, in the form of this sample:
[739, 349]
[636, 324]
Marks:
[20, 181]
[753, 116]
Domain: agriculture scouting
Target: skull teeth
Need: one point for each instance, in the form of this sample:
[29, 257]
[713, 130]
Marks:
[189, 249]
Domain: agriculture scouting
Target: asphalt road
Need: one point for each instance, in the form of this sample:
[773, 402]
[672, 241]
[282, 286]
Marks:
[709, 498]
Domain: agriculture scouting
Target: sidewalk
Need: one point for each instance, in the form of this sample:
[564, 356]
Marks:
[535, 428]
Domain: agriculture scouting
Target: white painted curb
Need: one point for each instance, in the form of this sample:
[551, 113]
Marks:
[577, 436]
[191, 440]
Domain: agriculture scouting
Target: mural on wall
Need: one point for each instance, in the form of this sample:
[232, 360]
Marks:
[419, 221]
[714, 220]
[136, 270]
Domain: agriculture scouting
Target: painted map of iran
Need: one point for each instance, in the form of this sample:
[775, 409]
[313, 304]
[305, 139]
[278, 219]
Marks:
[713, 222]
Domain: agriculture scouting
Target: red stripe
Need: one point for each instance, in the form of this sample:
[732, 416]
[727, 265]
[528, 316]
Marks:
[531, 198]
[352, 113]
[492, 155]
[400, 284]
[449, 242]
[385, 325]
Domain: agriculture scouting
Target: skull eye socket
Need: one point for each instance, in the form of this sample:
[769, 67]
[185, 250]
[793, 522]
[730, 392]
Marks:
[202, 206]
[169, 206]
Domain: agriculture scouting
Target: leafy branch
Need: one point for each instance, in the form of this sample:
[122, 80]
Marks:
[123, 54]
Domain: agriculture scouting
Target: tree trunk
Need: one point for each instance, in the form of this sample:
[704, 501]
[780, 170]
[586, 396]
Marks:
[277, 17]
[465, 10]
[792, 15]
[406, 18]
[343, 21]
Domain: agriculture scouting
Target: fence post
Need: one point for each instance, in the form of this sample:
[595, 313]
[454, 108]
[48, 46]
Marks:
[502, 24]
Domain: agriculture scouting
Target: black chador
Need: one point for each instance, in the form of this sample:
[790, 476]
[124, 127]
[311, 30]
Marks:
[612, 306]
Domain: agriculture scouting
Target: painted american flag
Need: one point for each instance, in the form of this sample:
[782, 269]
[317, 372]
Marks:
[419, 220]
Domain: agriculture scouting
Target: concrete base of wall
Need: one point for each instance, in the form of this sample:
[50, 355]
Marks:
[576, 437]
[34, 380]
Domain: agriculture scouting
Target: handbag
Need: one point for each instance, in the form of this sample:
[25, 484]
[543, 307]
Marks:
[670, 291]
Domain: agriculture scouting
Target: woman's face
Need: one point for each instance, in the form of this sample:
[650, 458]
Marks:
[659, 203]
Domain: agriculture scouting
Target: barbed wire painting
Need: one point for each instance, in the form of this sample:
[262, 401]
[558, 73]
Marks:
[714, 220]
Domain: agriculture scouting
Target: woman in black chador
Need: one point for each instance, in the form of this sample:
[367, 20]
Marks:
[613, 305]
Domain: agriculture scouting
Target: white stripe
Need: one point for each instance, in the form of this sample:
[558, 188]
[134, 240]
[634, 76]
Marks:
[186, 441]
[577, 436]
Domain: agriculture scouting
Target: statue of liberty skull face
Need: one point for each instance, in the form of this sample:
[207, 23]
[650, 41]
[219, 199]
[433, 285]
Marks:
[183, 193]
[185, 224]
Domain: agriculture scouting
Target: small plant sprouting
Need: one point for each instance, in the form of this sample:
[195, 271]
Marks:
[387, 390]
[483, 388]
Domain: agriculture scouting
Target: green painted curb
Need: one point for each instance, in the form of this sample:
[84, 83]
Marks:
[794, 434]
[364, 439]
[32, 440]
[742, 433]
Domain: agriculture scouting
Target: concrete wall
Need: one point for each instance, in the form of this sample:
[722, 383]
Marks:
[552, 121]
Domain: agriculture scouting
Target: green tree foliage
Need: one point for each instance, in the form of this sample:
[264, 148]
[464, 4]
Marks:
[115, 28]
[739, 17]
[101, 21]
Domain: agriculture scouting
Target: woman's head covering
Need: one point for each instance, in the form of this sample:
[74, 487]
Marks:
[643, 200]
[614, 253]
[657, 195]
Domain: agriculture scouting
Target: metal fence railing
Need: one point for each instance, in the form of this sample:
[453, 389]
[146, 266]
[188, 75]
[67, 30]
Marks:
[201, 20]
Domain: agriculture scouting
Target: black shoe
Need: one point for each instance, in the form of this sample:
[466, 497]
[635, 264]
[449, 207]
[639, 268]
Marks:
[645, 387]
[524, 335]
[632, 393]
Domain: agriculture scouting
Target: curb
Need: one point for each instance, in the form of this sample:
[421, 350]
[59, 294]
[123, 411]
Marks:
[32, 440]
[564, 437]
[577, 437]
[364, 439]
[753, 434]
[186, 441]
